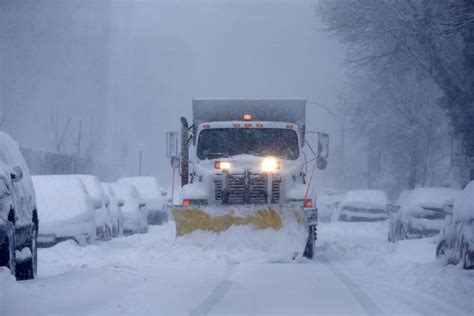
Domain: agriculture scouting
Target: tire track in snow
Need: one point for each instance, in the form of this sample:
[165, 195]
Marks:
[216, 295]
[364, 300]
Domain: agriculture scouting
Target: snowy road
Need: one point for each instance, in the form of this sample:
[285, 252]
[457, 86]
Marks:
[357, 272]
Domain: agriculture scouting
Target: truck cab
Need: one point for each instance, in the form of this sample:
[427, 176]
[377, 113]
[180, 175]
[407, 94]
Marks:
[242, 162]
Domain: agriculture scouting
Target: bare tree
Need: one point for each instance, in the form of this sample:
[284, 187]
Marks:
[433, 37]
[58, 129]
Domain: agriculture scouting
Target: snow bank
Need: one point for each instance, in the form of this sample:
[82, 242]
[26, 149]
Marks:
[64, 206]
[464, 204]
[365, 199]
[327, 205]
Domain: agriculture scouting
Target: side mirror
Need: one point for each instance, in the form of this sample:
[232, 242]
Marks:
[142, 204]
[163, 192]
[172, 145]
[17, 174]
[121, 203]
[323, 151]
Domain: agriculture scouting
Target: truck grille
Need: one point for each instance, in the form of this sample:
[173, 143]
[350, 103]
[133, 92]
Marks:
[246, 189]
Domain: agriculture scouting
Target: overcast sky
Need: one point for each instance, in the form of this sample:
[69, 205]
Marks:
[143, 61]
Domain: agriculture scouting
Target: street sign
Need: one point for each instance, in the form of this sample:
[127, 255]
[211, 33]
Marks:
[460, 155]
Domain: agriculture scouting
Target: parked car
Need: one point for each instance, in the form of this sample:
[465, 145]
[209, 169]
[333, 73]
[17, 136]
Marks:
[134, 209]
[420, 213]
[116, 205]
[67, 210]
[328, 202]
[363, 206]
[18, 213]
[154, 196]
[103, 217]
[456, 239]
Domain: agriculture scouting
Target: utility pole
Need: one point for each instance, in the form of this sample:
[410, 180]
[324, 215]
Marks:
[140, 162]
[79, 139]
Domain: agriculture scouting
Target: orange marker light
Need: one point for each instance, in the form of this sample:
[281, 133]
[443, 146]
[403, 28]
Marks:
[247, 117]
[236, 125]
[308, 203]
[223, 165]
[289, 126]
[186, 202]
[259, 125]
[206, 126]
[248, 125]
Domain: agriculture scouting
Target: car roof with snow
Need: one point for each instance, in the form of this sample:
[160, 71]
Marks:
[129, 194]
[148, 187]
[427, 197]
[365, 199]
[94, 188]
[10, 156]
[61, 197]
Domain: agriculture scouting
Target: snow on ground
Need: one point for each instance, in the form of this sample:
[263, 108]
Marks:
[356, 272]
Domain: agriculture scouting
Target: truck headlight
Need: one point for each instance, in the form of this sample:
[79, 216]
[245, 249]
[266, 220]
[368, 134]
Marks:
[270, 164]
[223, 165]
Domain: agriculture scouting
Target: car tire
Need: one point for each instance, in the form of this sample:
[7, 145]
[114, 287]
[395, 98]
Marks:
[441, 249]
[27, 270]
[8, 254]
[466, 261]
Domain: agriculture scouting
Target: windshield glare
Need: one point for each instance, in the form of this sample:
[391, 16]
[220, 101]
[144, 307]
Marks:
[227, 142]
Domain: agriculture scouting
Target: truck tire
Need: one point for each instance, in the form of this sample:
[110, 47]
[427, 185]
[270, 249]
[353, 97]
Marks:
[27, 270]
[309, 249]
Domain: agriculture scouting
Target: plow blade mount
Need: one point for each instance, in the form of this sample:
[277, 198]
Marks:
[287, 221]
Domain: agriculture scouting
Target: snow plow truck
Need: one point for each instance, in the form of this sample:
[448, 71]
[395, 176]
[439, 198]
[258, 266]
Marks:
[242, 163]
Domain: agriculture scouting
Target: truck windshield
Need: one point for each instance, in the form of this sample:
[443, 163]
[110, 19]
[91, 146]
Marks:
[227, 142]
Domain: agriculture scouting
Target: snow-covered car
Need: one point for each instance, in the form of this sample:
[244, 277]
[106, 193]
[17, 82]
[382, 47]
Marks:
[103, 217]
[134, 209]
[18, 213]
[116, 205]
[328, 203]
[456, 239]
[420, 213]
[154, 196]
[363, 206]
[67, 210]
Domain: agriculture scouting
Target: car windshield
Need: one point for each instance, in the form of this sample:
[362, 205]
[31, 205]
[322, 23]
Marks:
[227, 142]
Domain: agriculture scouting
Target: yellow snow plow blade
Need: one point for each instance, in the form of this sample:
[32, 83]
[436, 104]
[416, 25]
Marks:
[189, 219]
